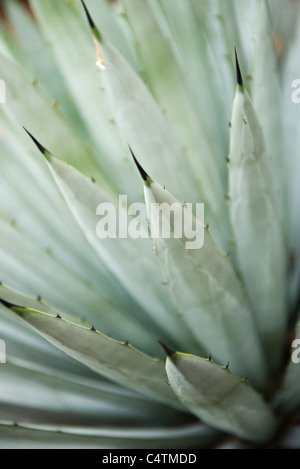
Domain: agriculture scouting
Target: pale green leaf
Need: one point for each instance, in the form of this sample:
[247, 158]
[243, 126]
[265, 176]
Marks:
[237, 19]
[43, 231]
[35, 57]
[219, 398]
[115, 360]
[27, 349]
[49, 398]
[63, 25]
[266, 95]
[43, 437]
[261, 250]
[30, 198]
[39, 398]
[39, 272]
[211, 21]
[60, 135]
[127, 258]
[143, 125]
[189, 40]
[37, 375]
[204, 284]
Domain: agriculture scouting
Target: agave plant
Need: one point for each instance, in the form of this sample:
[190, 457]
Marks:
[130, 342]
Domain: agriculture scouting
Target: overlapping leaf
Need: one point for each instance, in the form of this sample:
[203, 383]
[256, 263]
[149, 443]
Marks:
[261, 249]
[204, 284]
[219, 398]
[116, 360]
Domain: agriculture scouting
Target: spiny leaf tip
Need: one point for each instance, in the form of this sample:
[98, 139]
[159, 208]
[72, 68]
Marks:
[10, 305]
[93, 27]
[139, 167]
[90, 20]
[168, 351]
[40, 147]
[239, 77]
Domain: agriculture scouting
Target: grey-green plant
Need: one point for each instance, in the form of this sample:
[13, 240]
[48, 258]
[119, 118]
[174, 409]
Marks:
[141, 343]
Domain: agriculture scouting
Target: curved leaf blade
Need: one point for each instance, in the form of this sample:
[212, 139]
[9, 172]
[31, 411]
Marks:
[126, 258]
[261, 249]
[39, 398]
[115, 360]
[266, 95]
[219, 398]
[143, 124]
[34, 436]
[204, 284]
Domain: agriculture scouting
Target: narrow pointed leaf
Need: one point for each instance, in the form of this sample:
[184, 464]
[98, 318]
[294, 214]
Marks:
[204, 284]
[261, 250]
[47, 436]
[190, 41]
[142, 123]
[39, 273]
[126, 258]
[219, 398]
[37, 375]
[30, 198]
[115, 360]
[266, 95]
[64, 27]
[27, 395]
[237, 19]
[73, 149]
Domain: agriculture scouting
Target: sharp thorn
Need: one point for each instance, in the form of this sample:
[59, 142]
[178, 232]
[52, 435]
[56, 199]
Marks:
[10, 305]
[90, 20]
[40, 147]
[168, 351]
[139, 167]
[93, 27]
[239, 78]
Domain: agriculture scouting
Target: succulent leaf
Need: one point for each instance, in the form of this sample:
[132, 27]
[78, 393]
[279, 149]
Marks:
[204, 284]
[69, 292]
[34, 436]
[59, 398]
[256, 226]
[149, 132]
[266, 96]
[115, 360]
[219, 398]
[120, 256]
